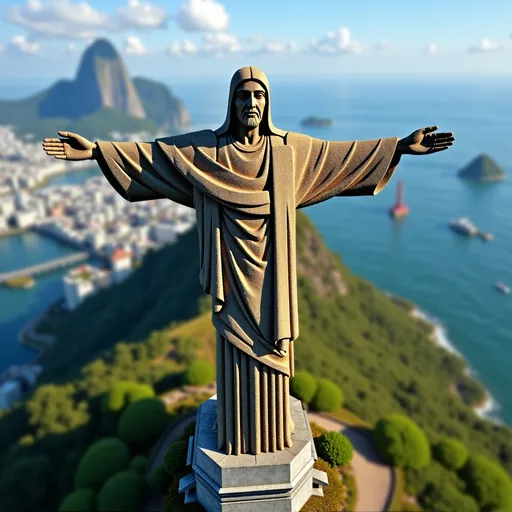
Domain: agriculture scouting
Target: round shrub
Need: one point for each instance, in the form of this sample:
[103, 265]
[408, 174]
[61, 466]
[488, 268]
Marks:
[328, 396]
[175, 457]
[488, 482]
[199, 373]
[103, 459]
[139, 464]
[451, 453]
[123, 491]
[401, 442]
[335, 448]
[142, 421]
[159, 479]
[303, 386]
[445, 496]
[81, 500]
[124, 393]
[334, 493]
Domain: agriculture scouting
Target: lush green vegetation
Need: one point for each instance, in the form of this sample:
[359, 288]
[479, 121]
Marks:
[142, 422]
[328, 396]
[198, 373]
[303, 386]
[81, 500]
[382, 359]
[123, 491]
[451, 453]
[335, 448]
[175, 457]
[401, 442]
[124, 393]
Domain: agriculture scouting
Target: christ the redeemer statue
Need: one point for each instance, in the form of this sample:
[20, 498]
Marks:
[245, 181]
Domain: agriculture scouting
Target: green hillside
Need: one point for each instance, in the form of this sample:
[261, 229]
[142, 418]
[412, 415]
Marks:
[351, 333]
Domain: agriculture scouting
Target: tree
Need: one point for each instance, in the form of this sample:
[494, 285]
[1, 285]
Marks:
[401, 442]
[123, 492]
[335, 448]
[328, 396]
[124, 393]
[444, 497]
[488, 482]
[199, 373]
[81, 500]
[451, 453]
[102, 460]
[142, 421]
[175, 457]
[139, 464]
[303, 386]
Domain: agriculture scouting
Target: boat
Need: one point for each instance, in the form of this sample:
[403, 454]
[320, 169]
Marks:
[464, 226]
[503, 288]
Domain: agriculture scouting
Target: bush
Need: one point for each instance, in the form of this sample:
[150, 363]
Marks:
[328, 396]
[488, 482]
[416, 480]
[335, 448]
[124, 393]
[446, 498]
[401, 442]
[159, 479]
[142, 421]
[334, 493]
[139, 464]
[303, 386]
[317, 430]
[199, 373]
[81, 500]
[103, 459]
[175, 458]
[122, 492]
[186, 349]
[451, 453]
[190, 430]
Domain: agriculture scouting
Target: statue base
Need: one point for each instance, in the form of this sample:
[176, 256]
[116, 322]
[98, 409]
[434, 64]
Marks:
[281, 481]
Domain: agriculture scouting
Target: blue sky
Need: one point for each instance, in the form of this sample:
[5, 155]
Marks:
[43, 39]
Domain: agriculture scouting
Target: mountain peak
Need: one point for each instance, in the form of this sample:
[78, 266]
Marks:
[482, 168]
[103, 48]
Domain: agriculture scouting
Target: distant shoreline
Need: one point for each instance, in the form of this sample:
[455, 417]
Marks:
[489, 407]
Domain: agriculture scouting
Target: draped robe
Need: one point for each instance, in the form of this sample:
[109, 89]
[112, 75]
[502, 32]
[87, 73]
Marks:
[245, 200]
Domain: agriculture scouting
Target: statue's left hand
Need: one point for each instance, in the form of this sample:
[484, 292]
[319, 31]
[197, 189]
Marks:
[425, 142]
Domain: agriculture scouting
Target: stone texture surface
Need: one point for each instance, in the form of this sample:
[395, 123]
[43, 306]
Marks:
[281, 481]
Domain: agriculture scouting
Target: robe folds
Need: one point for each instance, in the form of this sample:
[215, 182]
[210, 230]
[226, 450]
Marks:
[245, 200]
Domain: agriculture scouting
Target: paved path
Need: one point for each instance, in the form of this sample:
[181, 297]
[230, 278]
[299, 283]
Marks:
[374, 479]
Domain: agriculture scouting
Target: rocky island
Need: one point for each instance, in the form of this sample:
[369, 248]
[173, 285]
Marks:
[110, 98]
[317, 122]
[482, 169]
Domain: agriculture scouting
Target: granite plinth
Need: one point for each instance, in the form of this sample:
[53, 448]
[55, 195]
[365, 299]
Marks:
[280, 481]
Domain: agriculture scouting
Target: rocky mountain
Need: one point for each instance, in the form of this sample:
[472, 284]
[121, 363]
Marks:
[100, 99]
[482, 168]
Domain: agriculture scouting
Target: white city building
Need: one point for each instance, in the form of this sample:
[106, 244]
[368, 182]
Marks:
[82, 281]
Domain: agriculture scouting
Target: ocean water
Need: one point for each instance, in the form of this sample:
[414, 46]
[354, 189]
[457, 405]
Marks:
[449, 277]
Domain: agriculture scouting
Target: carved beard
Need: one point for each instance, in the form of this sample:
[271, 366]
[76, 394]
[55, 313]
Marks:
[251, 122]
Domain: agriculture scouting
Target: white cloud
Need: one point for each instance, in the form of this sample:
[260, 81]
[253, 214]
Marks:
[134, 46]
[219, 44]
[336, 42]
[487, 46]
[383, 46]
[181, 48]
[71, 48]
[432, 48]
[140, 15]
[277, 47]
[57, 18]
[20, 44]
[203, 16]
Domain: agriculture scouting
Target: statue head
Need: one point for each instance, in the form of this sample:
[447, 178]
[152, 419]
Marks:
[249, 102]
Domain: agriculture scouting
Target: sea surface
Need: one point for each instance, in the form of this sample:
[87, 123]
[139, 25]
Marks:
[449, 277]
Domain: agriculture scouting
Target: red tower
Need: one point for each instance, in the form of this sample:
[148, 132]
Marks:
[399, 209]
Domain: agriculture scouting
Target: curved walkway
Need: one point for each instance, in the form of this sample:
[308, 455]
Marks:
[374, 479]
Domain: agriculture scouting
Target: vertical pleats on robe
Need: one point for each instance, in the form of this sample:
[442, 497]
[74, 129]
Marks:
[253, 404]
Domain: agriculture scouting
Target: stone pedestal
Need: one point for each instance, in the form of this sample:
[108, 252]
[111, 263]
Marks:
[281, 481]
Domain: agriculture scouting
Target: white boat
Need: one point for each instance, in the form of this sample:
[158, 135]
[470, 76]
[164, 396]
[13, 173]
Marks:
[503, 288]
[464, 226]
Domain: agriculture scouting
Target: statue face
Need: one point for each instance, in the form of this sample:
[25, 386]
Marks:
[250, 101]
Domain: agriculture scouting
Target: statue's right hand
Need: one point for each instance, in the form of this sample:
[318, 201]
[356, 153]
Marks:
[71, 147]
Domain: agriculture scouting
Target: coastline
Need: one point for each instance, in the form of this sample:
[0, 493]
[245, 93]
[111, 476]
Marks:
[488, 408]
